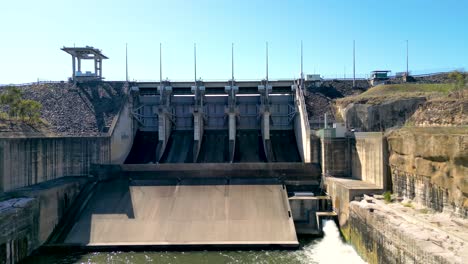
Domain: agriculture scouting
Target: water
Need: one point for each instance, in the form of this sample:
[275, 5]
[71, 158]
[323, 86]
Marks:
[329, 249]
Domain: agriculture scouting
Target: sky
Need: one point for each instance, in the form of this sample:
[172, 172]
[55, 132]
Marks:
[32, 33]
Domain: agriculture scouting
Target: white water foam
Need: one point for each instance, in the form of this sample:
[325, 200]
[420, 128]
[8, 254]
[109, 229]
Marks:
[332, 249]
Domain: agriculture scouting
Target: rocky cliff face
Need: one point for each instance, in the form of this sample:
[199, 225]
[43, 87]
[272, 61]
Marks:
[430, 166]
[366, 116]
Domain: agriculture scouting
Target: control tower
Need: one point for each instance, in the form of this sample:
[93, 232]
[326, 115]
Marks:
[85, 53]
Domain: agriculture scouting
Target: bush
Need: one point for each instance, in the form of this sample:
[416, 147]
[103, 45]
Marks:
[387, 196]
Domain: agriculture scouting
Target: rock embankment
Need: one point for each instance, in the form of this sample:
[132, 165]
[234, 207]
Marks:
[85, 109]
[319, 99]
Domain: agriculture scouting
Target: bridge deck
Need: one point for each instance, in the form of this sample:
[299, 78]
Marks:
[133, 213]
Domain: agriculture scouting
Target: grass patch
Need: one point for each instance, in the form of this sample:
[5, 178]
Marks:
[387, 197]
[424, 211]
[409, 204]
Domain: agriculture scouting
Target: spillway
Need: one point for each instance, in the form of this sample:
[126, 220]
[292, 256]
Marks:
[134, 213]
[249, 147]
[215, 147]
[143, 148]
[179, 148]
[284, 146]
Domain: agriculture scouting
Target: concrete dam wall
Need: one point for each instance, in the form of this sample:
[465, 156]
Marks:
[32, 160]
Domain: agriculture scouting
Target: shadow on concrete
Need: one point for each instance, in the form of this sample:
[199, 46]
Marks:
[215, 147]
[108, 201]
[249, 147]
[284, 146]
[179, 148]
[144, 148]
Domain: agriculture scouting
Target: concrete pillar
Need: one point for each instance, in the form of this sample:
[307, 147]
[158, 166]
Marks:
[165, 129]
[266, 125]
[265, 129]
[96, 67]
[232, 135]
[198, 129]
[73, 67]
[79, 64]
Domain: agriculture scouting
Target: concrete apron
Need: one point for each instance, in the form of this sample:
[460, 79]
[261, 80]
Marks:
[136, 214]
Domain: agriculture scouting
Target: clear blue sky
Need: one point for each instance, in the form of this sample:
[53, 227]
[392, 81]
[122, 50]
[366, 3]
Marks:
[32, 33]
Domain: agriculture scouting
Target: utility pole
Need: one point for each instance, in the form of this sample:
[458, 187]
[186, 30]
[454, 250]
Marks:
[126, 62]
[354, 63]
[160, 64]
[232, 64]
[195, 61]
[407, 71]
[302, 67]
[267, 62]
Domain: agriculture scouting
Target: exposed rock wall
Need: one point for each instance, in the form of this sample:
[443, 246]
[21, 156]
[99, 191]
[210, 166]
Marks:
[430, 166]
[379, 117]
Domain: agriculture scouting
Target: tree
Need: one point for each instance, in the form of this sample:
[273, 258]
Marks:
[30, 109]
[11, 98]
[460, 80]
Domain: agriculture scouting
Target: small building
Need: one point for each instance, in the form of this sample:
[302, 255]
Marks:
[378, 77]
[85, 53]
[314, 79]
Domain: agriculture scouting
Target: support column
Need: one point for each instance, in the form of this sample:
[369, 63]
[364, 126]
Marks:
[265, 120]
[198, 129]
[164, 119]
[79, 64]
[95, 67]
[232, 135]
[198, 118]
[74, 67]
[164, 132]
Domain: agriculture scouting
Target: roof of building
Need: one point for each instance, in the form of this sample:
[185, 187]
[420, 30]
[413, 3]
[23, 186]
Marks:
[380, 71]
[85, 52]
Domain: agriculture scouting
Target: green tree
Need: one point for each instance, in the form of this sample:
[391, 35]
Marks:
[460, 80]
[30, 109]
[11, 98]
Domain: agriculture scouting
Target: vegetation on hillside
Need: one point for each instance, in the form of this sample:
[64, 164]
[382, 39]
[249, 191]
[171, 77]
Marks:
[16, 107]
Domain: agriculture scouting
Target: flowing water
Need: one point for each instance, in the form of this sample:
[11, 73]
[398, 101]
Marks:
[329, 249]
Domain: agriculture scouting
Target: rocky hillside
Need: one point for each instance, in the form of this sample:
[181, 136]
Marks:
[73, 110]
[319, 99]
[397, 105]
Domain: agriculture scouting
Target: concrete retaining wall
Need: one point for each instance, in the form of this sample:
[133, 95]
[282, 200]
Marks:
[383, 238]
[369, 158]
[335, 157]
[28, 161]
[27, 222]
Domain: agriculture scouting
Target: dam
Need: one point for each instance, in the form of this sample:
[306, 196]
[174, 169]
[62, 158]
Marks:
[213, 164]
[173, 166]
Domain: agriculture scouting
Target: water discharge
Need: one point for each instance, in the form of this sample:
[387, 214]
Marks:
[329, 249]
